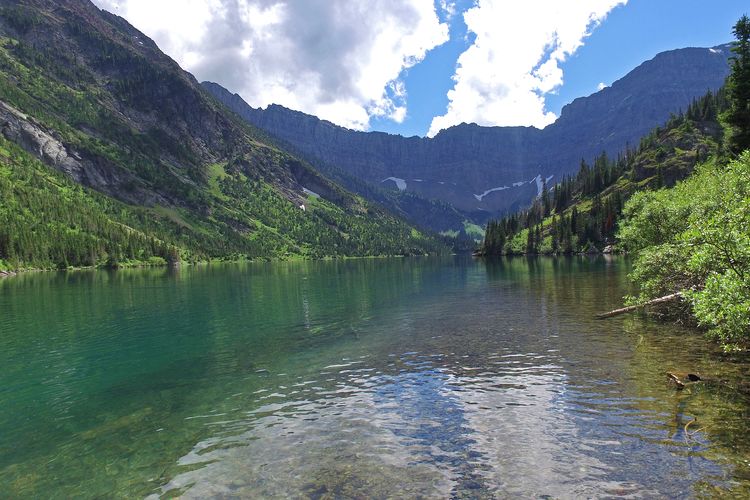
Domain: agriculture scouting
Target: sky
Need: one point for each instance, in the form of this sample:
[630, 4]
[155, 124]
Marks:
[414, 67]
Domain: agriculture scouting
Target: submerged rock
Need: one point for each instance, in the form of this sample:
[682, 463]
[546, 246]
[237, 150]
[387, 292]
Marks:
[681, 379]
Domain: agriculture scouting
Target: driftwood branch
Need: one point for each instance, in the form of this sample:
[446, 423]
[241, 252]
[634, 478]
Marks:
[653, 302]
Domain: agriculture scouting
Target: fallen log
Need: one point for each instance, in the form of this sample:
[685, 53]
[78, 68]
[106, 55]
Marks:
[652, 302]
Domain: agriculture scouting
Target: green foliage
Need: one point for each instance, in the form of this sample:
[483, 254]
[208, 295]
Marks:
[738, 85]
[654, 218]
[473, 231]
[695, 238]
[47, 221]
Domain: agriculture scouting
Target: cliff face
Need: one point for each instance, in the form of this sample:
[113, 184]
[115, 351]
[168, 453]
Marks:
[483, 170]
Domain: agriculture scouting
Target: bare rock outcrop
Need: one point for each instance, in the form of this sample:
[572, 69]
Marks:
[92, 172]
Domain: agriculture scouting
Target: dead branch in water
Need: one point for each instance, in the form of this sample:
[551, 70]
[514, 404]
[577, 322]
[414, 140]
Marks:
[653, 302]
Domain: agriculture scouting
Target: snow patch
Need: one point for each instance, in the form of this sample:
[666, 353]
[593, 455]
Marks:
[400, 183]
[540, 183]
[480, 196]
[715, 51]
[417, 180]
[310, 193]
[536, 180]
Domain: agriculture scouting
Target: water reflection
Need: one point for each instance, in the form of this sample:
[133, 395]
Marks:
[387, 378]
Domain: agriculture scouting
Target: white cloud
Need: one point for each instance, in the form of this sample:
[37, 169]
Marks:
[601, 86]
[501, 79]
[338, 59]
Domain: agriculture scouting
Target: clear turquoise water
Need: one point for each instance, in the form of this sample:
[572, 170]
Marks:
[431, 377]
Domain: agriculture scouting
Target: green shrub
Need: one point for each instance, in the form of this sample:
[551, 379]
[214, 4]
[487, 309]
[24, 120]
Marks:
[695, 238]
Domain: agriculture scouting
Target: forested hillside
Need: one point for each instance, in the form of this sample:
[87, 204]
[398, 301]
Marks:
[582, 212]
[112, 154]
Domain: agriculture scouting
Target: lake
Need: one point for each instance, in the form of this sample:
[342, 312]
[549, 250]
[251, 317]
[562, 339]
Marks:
[413, 377]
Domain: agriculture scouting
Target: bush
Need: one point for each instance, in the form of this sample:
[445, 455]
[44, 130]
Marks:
[695, 238]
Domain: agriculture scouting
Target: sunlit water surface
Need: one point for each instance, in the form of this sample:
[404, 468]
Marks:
[439, 377]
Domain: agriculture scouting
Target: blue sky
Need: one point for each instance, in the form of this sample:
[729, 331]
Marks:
[414, 67]
[630, 35]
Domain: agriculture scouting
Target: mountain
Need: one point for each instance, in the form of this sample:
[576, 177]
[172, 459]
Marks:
[488, 170]
[109, 151]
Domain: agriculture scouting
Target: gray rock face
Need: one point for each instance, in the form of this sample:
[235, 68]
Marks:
[34, 138]
[20, 129]
[493, 169]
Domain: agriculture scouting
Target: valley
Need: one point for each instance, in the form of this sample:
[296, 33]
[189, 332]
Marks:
[253, 302]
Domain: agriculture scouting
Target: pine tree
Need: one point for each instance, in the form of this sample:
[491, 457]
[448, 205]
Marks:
[530, 245]
[738, 86]
[546, 203]
[555, 233]
[659, 177]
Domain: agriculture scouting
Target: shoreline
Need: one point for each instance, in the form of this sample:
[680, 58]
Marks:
[144, 265]
[548, 254]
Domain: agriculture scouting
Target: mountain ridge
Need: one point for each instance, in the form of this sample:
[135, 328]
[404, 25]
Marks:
[463, 162]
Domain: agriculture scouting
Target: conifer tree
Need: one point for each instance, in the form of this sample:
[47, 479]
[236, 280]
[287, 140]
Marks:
[738, 86]
[546, 203]
[530, 241]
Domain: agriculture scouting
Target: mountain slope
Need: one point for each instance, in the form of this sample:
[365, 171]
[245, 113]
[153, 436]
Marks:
[486, 170]
[88, 95]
